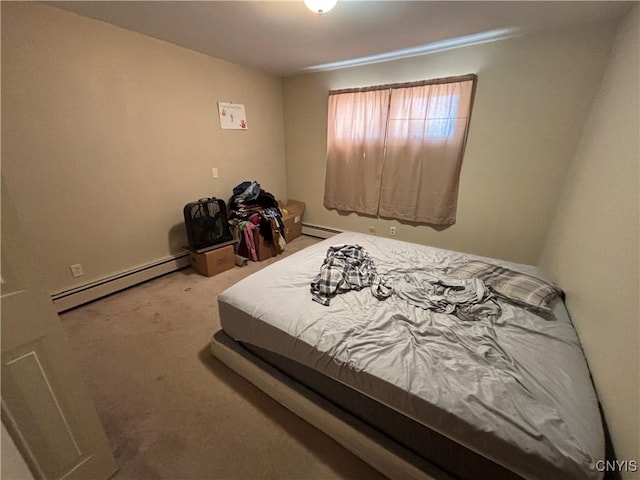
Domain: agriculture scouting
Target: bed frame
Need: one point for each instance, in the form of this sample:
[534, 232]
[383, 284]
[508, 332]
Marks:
[392, 460]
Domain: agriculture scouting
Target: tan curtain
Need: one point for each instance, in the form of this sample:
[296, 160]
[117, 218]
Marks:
[355, 150]
[426, 135]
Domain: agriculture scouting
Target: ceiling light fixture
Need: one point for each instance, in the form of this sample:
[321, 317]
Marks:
[320, 6]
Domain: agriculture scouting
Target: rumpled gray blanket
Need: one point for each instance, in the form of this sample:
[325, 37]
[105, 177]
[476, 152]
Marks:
[349, 267]
[466, 299]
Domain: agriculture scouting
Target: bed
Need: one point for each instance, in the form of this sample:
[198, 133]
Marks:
[491, 391]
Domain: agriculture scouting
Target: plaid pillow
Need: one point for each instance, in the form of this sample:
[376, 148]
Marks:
[515, 287]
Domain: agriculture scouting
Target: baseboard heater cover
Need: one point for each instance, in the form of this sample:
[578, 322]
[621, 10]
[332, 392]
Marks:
[319, 230]
[89, 292]
[101, 288]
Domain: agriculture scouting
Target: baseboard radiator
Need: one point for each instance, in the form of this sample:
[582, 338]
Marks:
[319, 231]
[101, 288]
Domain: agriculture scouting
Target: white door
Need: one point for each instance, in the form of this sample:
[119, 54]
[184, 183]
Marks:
[45, 404]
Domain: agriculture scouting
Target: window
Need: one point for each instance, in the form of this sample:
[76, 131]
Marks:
[396, 151]
[426, 118]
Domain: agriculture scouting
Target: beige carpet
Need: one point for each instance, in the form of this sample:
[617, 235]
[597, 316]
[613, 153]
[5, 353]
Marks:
[171, 410]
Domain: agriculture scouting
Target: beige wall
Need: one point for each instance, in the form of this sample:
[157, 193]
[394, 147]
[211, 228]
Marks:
[532, 97]
[592, 248]
[107, 134]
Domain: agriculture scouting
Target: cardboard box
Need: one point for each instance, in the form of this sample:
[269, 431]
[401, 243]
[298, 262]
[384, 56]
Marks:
[292, 214]
[264, 248]
[214, 261]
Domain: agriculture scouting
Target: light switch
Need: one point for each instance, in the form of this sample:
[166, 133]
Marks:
[214, 172]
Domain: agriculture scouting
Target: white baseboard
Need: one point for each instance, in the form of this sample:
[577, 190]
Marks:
[319, 230]
[106, 286]
[89, 292]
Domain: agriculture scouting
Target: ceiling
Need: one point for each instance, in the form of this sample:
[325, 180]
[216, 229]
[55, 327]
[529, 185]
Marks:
[285, 38]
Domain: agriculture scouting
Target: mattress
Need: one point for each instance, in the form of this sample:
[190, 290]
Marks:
[515, 390]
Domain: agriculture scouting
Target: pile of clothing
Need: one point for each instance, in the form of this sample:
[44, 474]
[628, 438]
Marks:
[349, 267]
[250, 207]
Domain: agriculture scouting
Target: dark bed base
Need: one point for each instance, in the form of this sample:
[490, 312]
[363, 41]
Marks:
[437, 449]
[424, 447]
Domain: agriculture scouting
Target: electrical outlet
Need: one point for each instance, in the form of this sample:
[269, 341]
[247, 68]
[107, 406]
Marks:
[392, 231]
[76, 270]
[214, 173]
[372, 230]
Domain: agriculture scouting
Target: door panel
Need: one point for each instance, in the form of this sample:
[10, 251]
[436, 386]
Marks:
[33, 404]
[45, 404]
